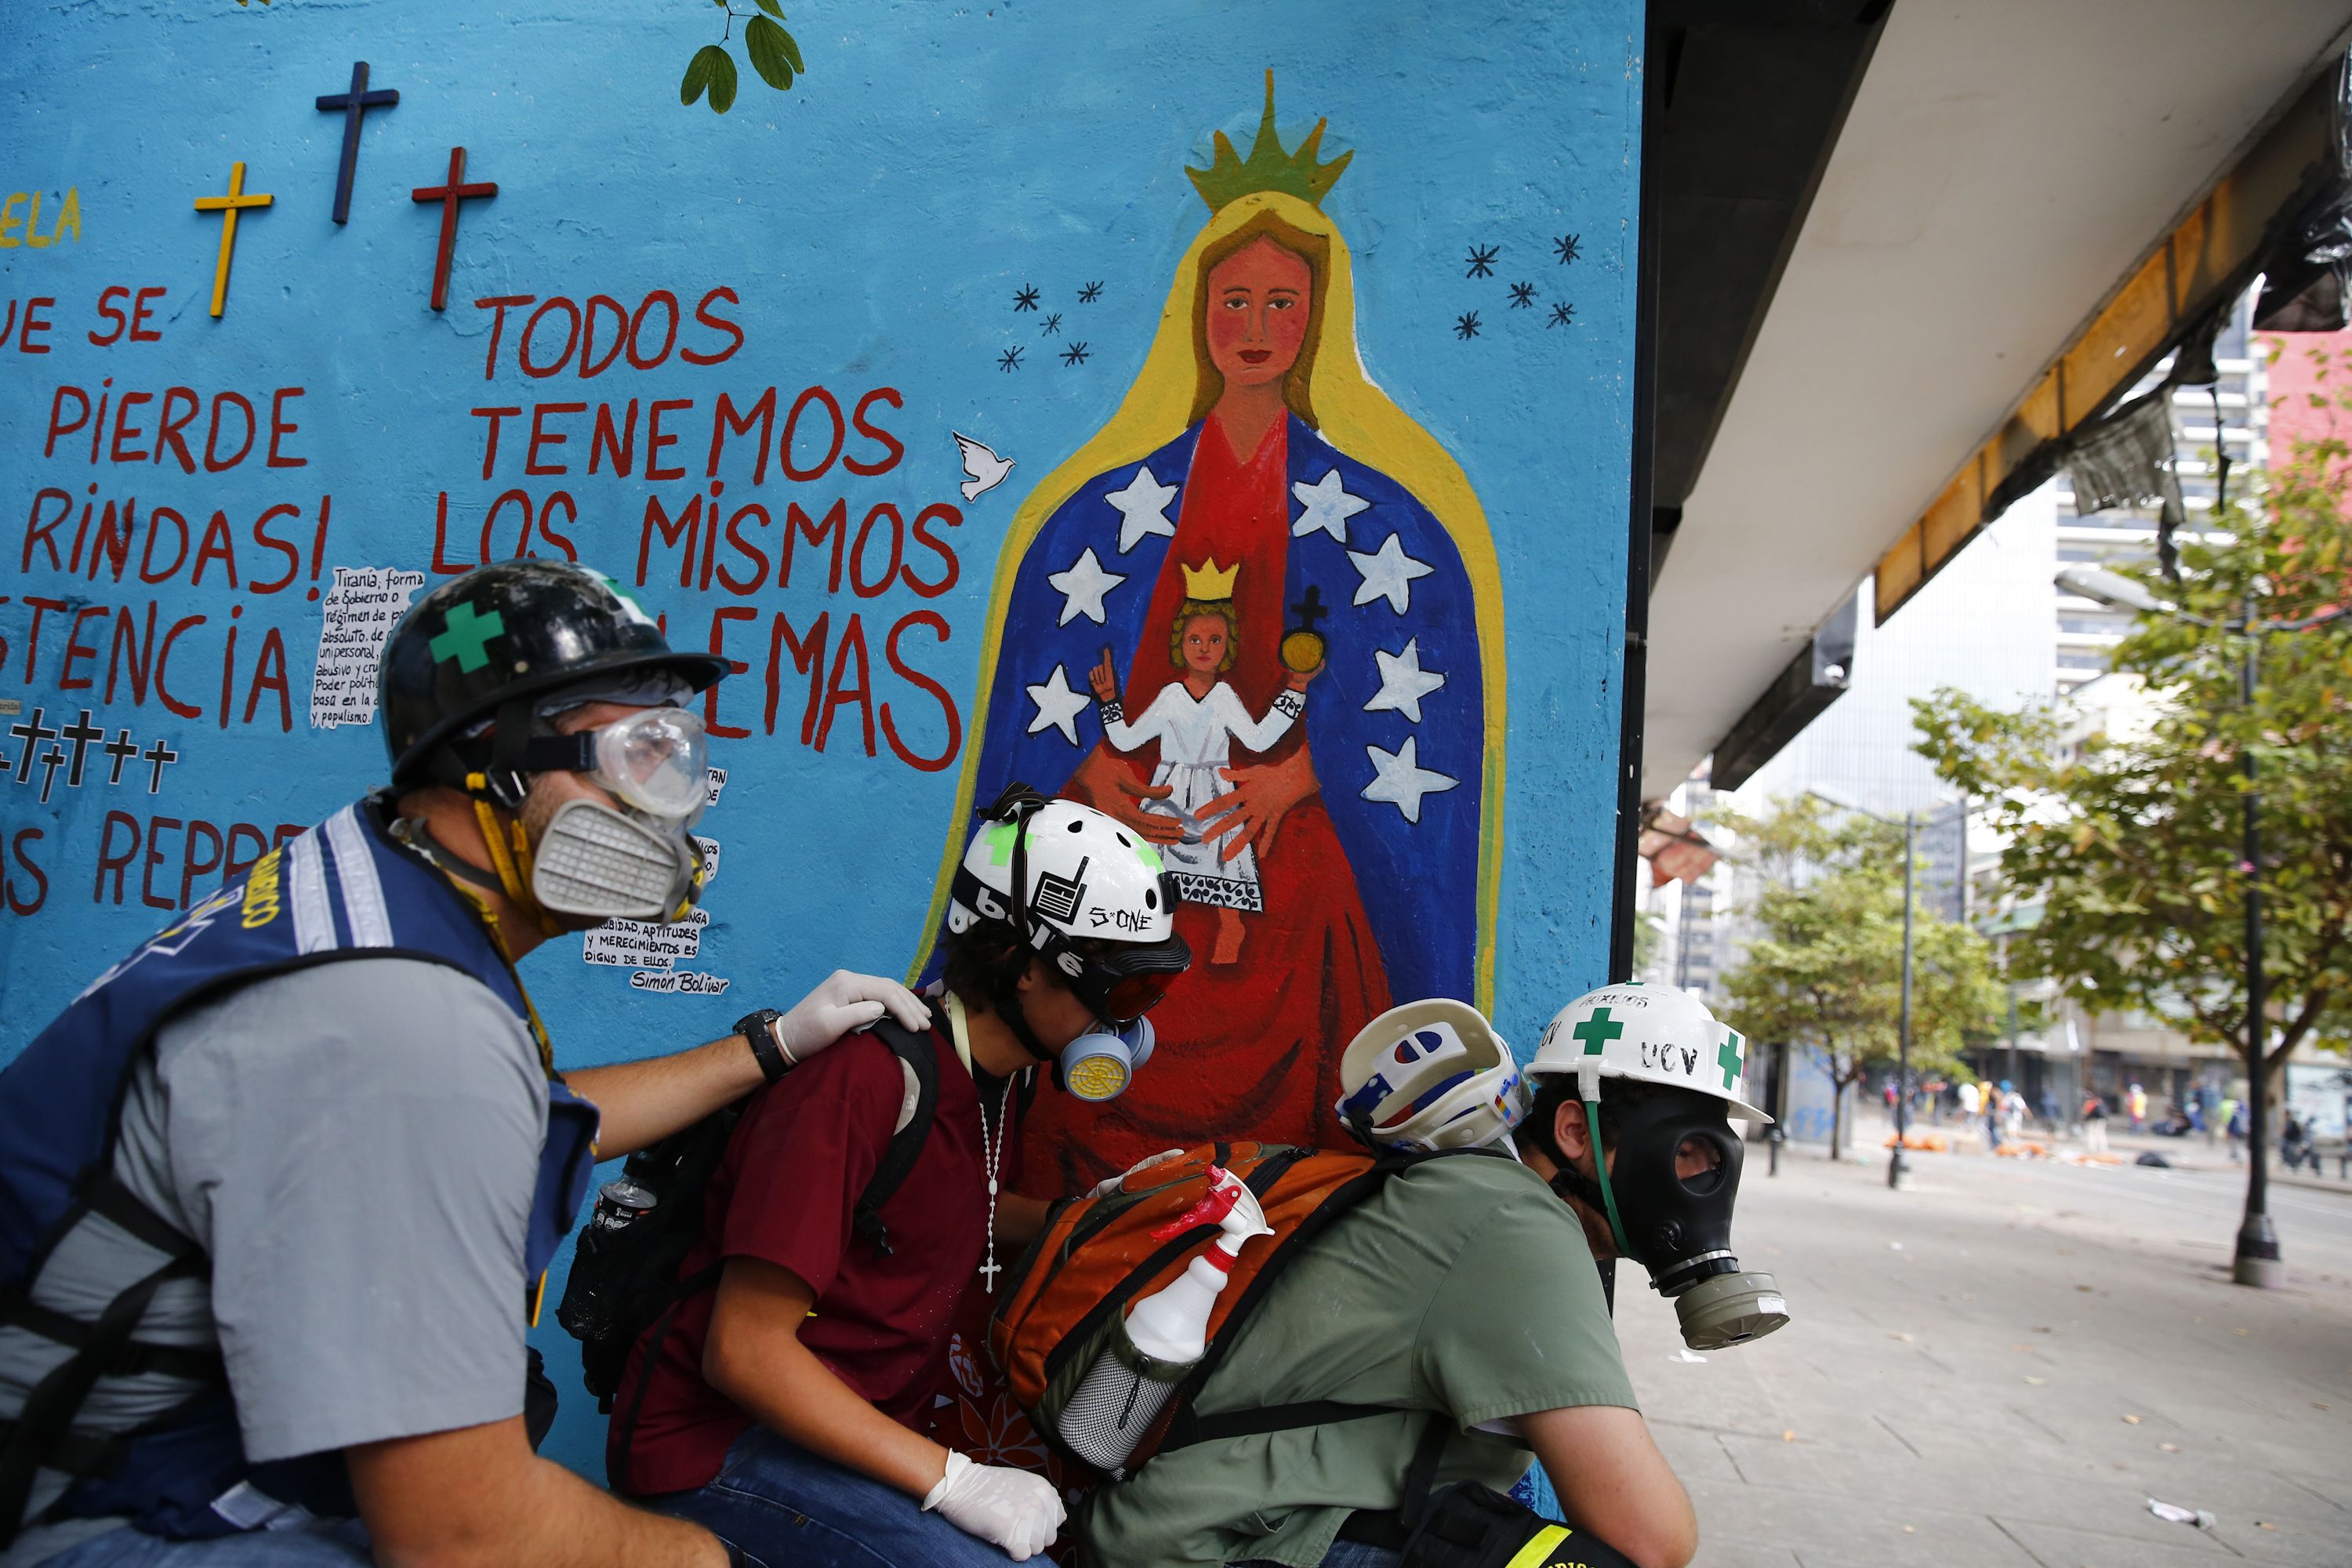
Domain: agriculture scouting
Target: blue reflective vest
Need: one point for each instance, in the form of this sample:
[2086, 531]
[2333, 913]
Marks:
[343, 890]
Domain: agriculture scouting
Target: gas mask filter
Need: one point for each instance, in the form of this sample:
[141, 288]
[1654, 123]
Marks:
[593, 861]
[1099, 1064]
[1669, 1201]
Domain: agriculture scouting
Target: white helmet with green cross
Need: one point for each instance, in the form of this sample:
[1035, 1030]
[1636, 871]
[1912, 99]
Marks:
[1655, 1033]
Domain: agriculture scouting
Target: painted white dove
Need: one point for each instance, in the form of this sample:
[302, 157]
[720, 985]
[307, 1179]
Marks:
[985, 468]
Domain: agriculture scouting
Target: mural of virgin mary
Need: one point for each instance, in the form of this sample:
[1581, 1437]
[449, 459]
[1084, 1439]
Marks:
[1253, 442]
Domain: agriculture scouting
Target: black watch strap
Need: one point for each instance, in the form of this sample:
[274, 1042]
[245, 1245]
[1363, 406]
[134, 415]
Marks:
[759, 1029]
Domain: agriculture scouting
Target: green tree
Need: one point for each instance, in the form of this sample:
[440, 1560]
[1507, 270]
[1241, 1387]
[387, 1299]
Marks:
[1825, 969]
[2131, 844]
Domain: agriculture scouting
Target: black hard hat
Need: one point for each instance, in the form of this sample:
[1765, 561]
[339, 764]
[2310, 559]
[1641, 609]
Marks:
[508, 632]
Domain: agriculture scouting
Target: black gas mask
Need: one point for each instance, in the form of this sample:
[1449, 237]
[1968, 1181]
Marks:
[1669, 1201]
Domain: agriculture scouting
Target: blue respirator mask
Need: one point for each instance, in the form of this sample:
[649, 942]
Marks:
[1099, 1064]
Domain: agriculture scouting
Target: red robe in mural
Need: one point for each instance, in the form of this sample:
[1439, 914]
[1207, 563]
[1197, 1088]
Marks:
[1258, 1048]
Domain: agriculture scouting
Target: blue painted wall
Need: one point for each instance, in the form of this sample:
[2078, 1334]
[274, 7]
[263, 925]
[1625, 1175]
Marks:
[875, 225]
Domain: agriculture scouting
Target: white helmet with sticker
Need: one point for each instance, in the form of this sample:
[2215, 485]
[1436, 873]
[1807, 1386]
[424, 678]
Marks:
[1655, 1033]
[1088, 876]
[1429, 1075]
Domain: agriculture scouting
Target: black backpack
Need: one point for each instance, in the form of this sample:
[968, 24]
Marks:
[624, 1277]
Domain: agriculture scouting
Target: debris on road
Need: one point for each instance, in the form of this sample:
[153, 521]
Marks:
[2173, 1513]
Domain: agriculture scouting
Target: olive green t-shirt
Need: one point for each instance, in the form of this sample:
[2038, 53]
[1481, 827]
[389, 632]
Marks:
[1464, 1287]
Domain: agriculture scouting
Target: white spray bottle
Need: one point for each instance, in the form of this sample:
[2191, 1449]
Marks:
[1171, 1324]
[1163, 1334]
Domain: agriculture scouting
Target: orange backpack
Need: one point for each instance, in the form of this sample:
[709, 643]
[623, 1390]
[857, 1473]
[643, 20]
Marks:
[1071, 1290]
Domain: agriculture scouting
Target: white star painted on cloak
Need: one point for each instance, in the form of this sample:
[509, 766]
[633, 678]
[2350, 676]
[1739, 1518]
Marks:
[1403, 683]
[1399, 778]
[1058, 707]
[1388, 574]
[1082, 588]
[1329, 507]
[1142, 509]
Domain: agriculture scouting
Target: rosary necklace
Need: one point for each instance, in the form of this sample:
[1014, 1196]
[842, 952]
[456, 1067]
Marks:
[993, 1161]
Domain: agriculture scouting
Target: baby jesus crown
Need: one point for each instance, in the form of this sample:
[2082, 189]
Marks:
[1209, 585]
[1229, 178]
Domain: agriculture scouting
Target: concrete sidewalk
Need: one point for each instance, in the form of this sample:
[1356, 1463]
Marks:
[2000, 1364]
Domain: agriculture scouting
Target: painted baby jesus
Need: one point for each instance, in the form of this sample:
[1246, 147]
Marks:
[1197, 720]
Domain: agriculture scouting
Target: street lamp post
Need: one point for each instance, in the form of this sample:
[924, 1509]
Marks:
[1895, 1163]
[2257, 1262]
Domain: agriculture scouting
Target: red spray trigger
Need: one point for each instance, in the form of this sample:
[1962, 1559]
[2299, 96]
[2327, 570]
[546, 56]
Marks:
[1223, 1193]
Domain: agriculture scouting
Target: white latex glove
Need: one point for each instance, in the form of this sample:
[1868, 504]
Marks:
[1110, 1185]
[1018, 1509]
[844, 1003]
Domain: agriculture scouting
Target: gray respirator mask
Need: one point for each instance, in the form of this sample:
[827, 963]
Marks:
[1678, 1227]
[636, 861]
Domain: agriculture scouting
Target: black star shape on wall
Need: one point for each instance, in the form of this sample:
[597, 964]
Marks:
[1009, 360]
[1523, 296]
[1026, 299]
[1467, 326]
[1570, 246]
[1090, 293]
[1481, 260]
[1052, 324]
[1074, 354]
[1562, 315]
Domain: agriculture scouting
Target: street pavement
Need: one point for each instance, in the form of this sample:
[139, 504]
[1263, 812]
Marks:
[2000, 1366]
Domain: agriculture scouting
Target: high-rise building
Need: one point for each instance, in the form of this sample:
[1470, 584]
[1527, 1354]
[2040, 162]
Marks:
[2230, 419]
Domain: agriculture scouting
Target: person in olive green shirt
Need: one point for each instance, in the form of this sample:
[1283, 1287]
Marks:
[1464, 1289]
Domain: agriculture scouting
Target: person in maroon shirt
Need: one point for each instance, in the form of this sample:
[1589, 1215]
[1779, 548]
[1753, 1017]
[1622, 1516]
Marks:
[783, 1410]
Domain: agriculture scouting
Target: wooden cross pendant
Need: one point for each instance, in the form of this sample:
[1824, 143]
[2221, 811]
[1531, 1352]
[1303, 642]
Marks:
[449, 195]
[352, 106]
[228, 206]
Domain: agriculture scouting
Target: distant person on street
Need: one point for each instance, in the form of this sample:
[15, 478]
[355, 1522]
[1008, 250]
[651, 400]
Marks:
[2233, 1121]
[2137, 1101]
[2296, 1145]
[1970, 1100]
[2095, 1125]
[1992, 1119]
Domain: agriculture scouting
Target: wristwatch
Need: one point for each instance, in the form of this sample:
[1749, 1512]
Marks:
[760, 1029]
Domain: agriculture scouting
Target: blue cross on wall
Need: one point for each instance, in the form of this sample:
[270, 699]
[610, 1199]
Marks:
[352, 105]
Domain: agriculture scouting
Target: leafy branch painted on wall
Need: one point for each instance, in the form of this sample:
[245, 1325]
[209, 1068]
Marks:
[772, 52]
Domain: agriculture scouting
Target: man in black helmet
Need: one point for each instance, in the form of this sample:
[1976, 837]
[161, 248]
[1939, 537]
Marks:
[280, 1186]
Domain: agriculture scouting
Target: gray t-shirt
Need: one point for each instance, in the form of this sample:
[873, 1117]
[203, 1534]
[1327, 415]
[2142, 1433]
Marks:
[354, 1145]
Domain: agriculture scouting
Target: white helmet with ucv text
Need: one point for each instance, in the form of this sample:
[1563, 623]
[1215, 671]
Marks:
[1654, 1034]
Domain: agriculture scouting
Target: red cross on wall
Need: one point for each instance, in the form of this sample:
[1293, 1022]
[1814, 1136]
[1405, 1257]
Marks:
[449, 195]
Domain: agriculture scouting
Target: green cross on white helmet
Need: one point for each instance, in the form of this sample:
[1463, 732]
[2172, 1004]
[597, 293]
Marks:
[1653, 1034]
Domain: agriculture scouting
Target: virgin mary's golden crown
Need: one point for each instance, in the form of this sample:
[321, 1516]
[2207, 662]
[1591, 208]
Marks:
[1229, 178]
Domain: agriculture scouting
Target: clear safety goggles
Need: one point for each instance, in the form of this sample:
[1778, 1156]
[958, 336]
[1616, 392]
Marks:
[656, 760]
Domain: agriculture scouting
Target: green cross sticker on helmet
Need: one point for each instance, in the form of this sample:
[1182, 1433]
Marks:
[1731, 1056]
[1597, 1031]
[630, 604]
[465, 637]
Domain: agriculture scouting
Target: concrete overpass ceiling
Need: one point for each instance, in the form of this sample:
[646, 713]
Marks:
[2003, 166]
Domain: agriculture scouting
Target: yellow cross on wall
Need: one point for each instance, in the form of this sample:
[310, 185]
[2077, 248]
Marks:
[228, 206]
